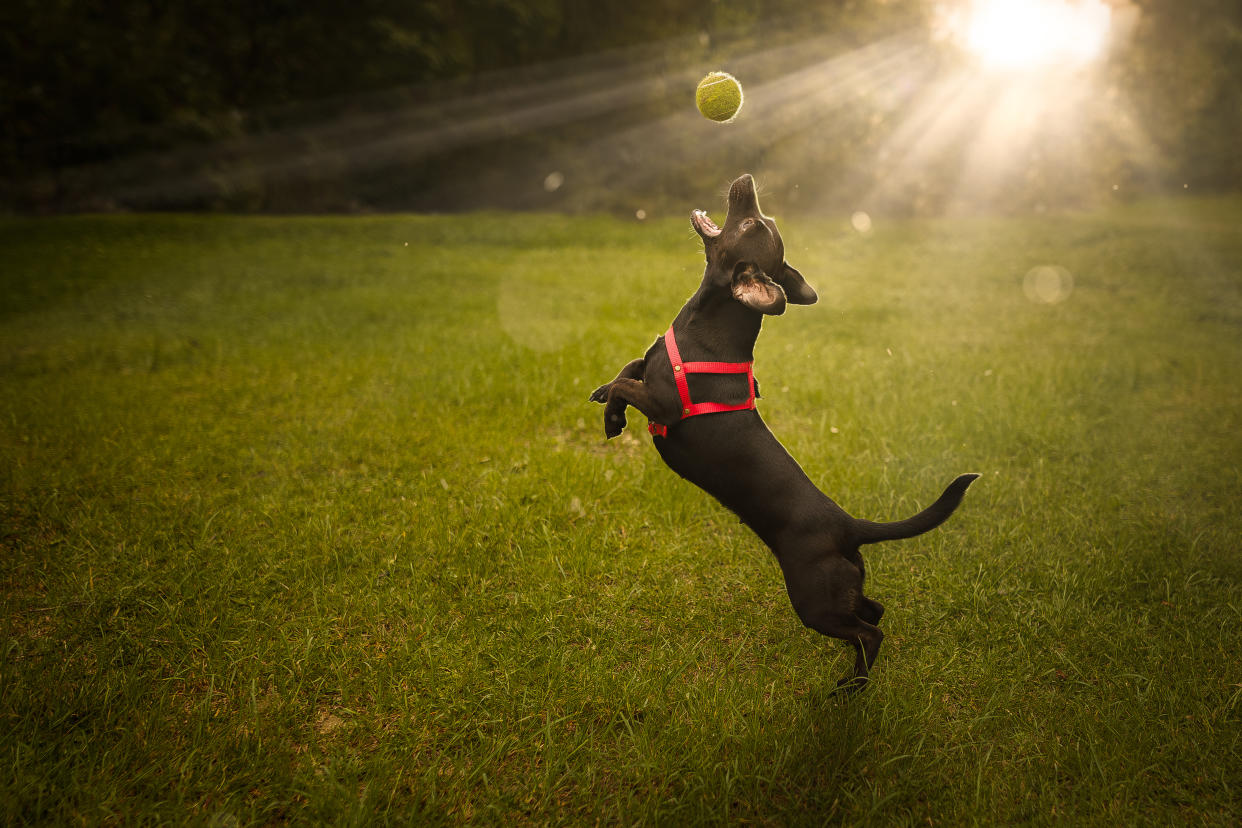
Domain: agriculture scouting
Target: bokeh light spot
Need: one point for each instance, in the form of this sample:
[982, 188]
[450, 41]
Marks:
[1048, 284]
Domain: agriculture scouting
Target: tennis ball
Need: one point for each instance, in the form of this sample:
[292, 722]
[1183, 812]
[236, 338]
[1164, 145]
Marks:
[719, 96]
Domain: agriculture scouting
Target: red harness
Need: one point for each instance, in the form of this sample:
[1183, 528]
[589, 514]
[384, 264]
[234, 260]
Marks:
[693, 409]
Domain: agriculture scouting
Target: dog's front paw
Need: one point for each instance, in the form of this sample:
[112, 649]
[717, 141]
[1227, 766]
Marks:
[600, 395]
[614, 423]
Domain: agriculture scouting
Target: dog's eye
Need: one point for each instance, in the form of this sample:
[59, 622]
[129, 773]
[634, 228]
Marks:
[748, 224]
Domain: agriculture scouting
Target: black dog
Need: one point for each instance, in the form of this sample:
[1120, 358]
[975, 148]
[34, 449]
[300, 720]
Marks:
[731, 454]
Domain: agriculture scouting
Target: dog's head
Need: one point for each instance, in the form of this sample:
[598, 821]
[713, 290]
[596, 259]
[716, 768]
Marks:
[746, 255]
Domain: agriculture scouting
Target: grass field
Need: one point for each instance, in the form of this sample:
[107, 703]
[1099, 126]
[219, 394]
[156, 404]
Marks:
[309, 520]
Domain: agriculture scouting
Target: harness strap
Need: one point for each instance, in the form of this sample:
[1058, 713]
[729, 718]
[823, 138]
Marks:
[689, 408]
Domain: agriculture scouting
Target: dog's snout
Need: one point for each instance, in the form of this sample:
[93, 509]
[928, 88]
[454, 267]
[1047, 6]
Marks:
[742, 196]
[745, 181]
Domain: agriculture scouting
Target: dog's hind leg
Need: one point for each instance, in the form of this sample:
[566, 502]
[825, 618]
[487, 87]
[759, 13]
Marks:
[865, 639]
[870, 611]
[831, 602]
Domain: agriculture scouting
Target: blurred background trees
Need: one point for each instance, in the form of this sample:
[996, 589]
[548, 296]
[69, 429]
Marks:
[296, 105]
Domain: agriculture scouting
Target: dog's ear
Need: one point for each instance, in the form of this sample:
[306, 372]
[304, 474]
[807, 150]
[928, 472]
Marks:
[753, 288]
[796, 288]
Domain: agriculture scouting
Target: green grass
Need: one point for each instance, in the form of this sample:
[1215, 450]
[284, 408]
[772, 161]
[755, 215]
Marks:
[309, 520]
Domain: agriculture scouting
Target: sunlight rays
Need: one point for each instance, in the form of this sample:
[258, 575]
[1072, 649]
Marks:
[897, 123]
[1019, 133]
[798, 100]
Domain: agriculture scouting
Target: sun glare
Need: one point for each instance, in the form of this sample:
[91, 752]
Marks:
[1021, 34]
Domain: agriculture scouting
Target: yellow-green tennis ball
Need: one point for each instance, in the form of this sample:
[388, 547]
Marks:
[719, 96]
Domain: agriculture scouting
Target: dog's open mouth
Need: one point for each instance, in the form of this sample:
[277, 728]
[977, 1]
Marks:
[704, 224]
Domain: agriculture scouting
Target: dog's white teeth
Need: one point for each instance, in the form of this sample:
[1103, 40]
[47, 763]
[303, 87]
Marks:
[705, 223]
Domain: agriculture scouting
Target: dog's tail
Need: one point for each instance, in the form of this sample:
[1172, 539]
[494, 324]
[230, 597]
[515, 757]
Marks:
[924, 521]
